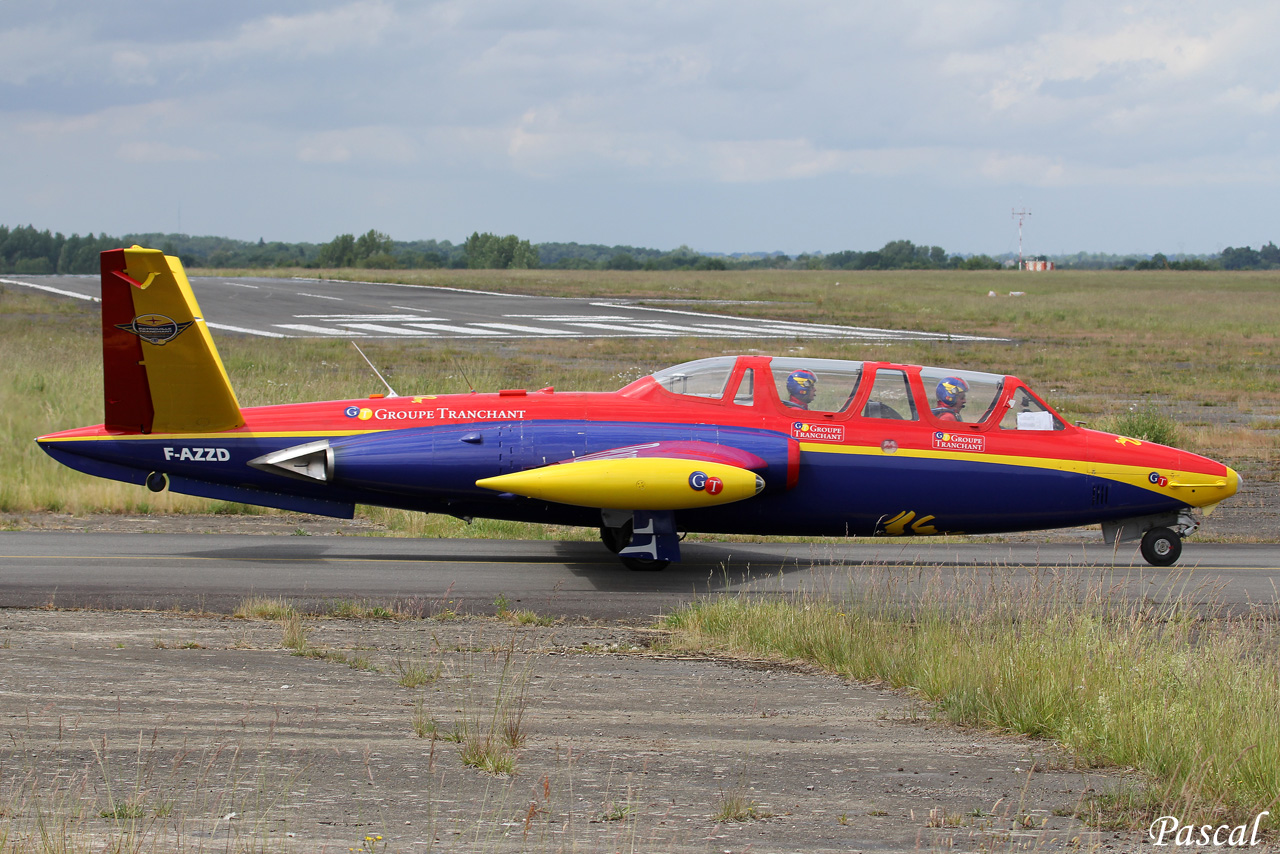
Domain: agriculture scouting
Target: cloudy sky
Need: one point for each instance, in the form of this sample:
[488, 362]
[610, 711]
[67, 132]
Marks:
[727, 125]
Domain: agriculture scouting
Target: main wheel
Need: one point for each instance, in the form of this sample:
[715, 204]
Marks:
[644, 564]
[616, 539]
[1161, 547]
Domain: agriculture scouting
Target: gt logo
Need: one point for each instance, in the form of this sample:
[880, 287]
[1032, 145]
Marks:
[198, 455]
[702, 482]
[1158, 479]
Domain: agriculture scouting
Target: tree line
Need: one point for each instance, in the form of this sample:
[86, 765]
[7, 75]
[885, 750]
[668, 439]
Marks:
[23, 249]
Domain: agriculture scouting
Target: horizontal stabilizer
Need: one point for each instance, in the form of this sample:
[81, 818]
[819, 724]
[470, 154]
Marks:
[633, 483]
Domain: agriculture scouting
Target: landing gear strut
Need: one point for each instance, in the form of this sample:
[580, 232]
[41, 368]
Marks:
[617, 539]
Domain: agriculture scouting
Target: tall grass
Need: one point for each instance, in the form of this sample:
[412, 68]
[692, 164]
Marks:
[1190, 701]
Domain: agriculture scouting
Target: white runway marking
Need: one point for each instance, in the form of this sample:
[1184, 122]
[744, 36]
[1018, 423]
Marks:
[457, 313]
[261, 332]
[59, 291]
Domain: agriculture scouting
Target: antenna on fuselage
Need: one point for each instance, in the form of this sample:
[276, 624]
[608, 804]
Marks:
[390, 391]
[458, 365]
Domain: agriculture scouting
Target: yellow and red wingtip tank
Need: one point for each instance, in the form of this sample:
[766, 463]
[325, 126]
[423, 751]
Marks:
[732, 444]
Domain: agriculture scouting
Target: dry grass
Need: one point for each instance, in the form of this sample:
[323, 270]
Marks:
[1121, 684]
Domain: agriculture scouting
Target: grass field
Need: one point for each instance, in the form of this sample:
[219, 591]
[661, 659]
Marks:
[1198, 348]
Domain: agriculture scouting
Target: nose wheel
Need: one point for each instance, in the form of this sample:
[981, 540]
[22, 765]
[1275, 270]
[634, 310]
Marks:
[1161, 547]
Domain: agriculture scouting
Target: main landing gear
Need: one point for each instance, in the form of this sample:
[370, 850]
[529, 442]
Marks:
[616, 539]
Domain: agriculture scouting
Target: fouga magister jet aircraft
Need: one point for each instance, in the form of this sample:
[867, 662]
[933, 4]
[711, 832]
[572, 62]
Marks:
[745, 444]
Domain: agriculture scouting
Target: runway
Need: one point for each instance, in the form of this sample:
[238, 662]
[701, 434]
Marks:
[326, 308]
[214, 573]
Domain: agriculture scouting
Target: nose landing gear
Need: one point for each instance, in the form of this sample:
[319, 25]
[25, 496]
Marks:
[1161, 547]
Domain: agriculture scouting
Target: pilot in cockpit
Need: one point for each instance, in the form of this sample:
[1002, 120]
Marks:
[951, 398]
[802, 385]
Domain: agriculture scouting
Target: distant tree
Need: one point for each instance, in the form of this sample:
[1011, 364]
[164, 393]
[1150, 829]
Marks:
[897, 253]
[339, 252]
[981, 262]
[846, 260]
[370, 244]
[489, 251]
[1243, 258]
[1270, 255]
[622, 261]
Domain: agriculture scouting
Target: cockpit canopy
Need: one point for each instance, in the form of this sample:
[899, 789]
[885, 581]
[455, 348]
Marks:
[878, 390]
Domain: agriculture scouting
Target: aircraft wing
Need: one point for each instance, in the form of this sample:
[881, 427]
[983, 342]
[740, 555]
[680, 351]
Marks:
[676, 475]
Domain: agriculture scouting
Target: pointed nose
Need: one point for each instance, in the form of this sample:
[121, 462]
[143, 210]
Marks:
[1202, 490]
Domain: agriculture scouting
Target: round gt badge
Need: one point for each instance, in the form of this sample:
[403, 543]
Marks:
[702, 482]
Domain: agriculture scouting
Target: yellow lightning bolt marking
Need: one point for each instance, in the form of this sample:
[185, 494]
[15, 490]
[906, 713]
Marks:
[921, 528]
[897, 526]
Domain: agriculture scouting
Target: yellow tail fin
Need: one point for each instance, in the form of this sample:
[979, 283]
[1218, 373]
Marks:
[161, 370]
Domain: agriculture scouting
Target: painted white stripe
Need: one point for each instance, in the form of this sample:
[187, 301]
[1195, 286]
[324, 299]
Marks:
[319, 296]
[810, 328]
[354, 318]
[533, 330]
[624, 330]
[52, 290]
[419, 287]
[261, 332]
[723, 328]
[444, 327]
[377, 327]
[569, 318]
[319, 330]
[242, 285]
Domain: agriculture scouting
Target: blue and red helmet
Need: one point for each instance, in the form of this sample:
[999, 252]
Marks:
[951, 392]
[802, 385]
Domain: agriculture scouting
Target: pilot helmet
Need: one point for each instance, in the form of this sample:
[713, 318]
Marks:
[951, 392]
[802, 385]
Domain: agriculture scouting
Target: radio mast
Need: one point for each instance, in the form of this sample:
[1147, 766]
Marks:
[1020, 216]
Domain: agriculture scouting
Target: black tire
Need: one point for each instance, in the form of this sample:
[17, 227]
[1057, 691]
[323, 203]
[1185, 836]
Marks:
[616, 539]
[644, 564]
[1161, 547]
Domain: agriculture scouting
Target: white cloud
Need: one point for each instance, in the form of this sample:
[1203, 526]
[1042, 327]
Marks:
[707, 96]
[143, 151]
[380, 144]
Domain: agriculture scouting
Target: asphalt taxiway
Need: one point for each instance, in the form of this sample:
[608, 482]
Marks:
[215, 572]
